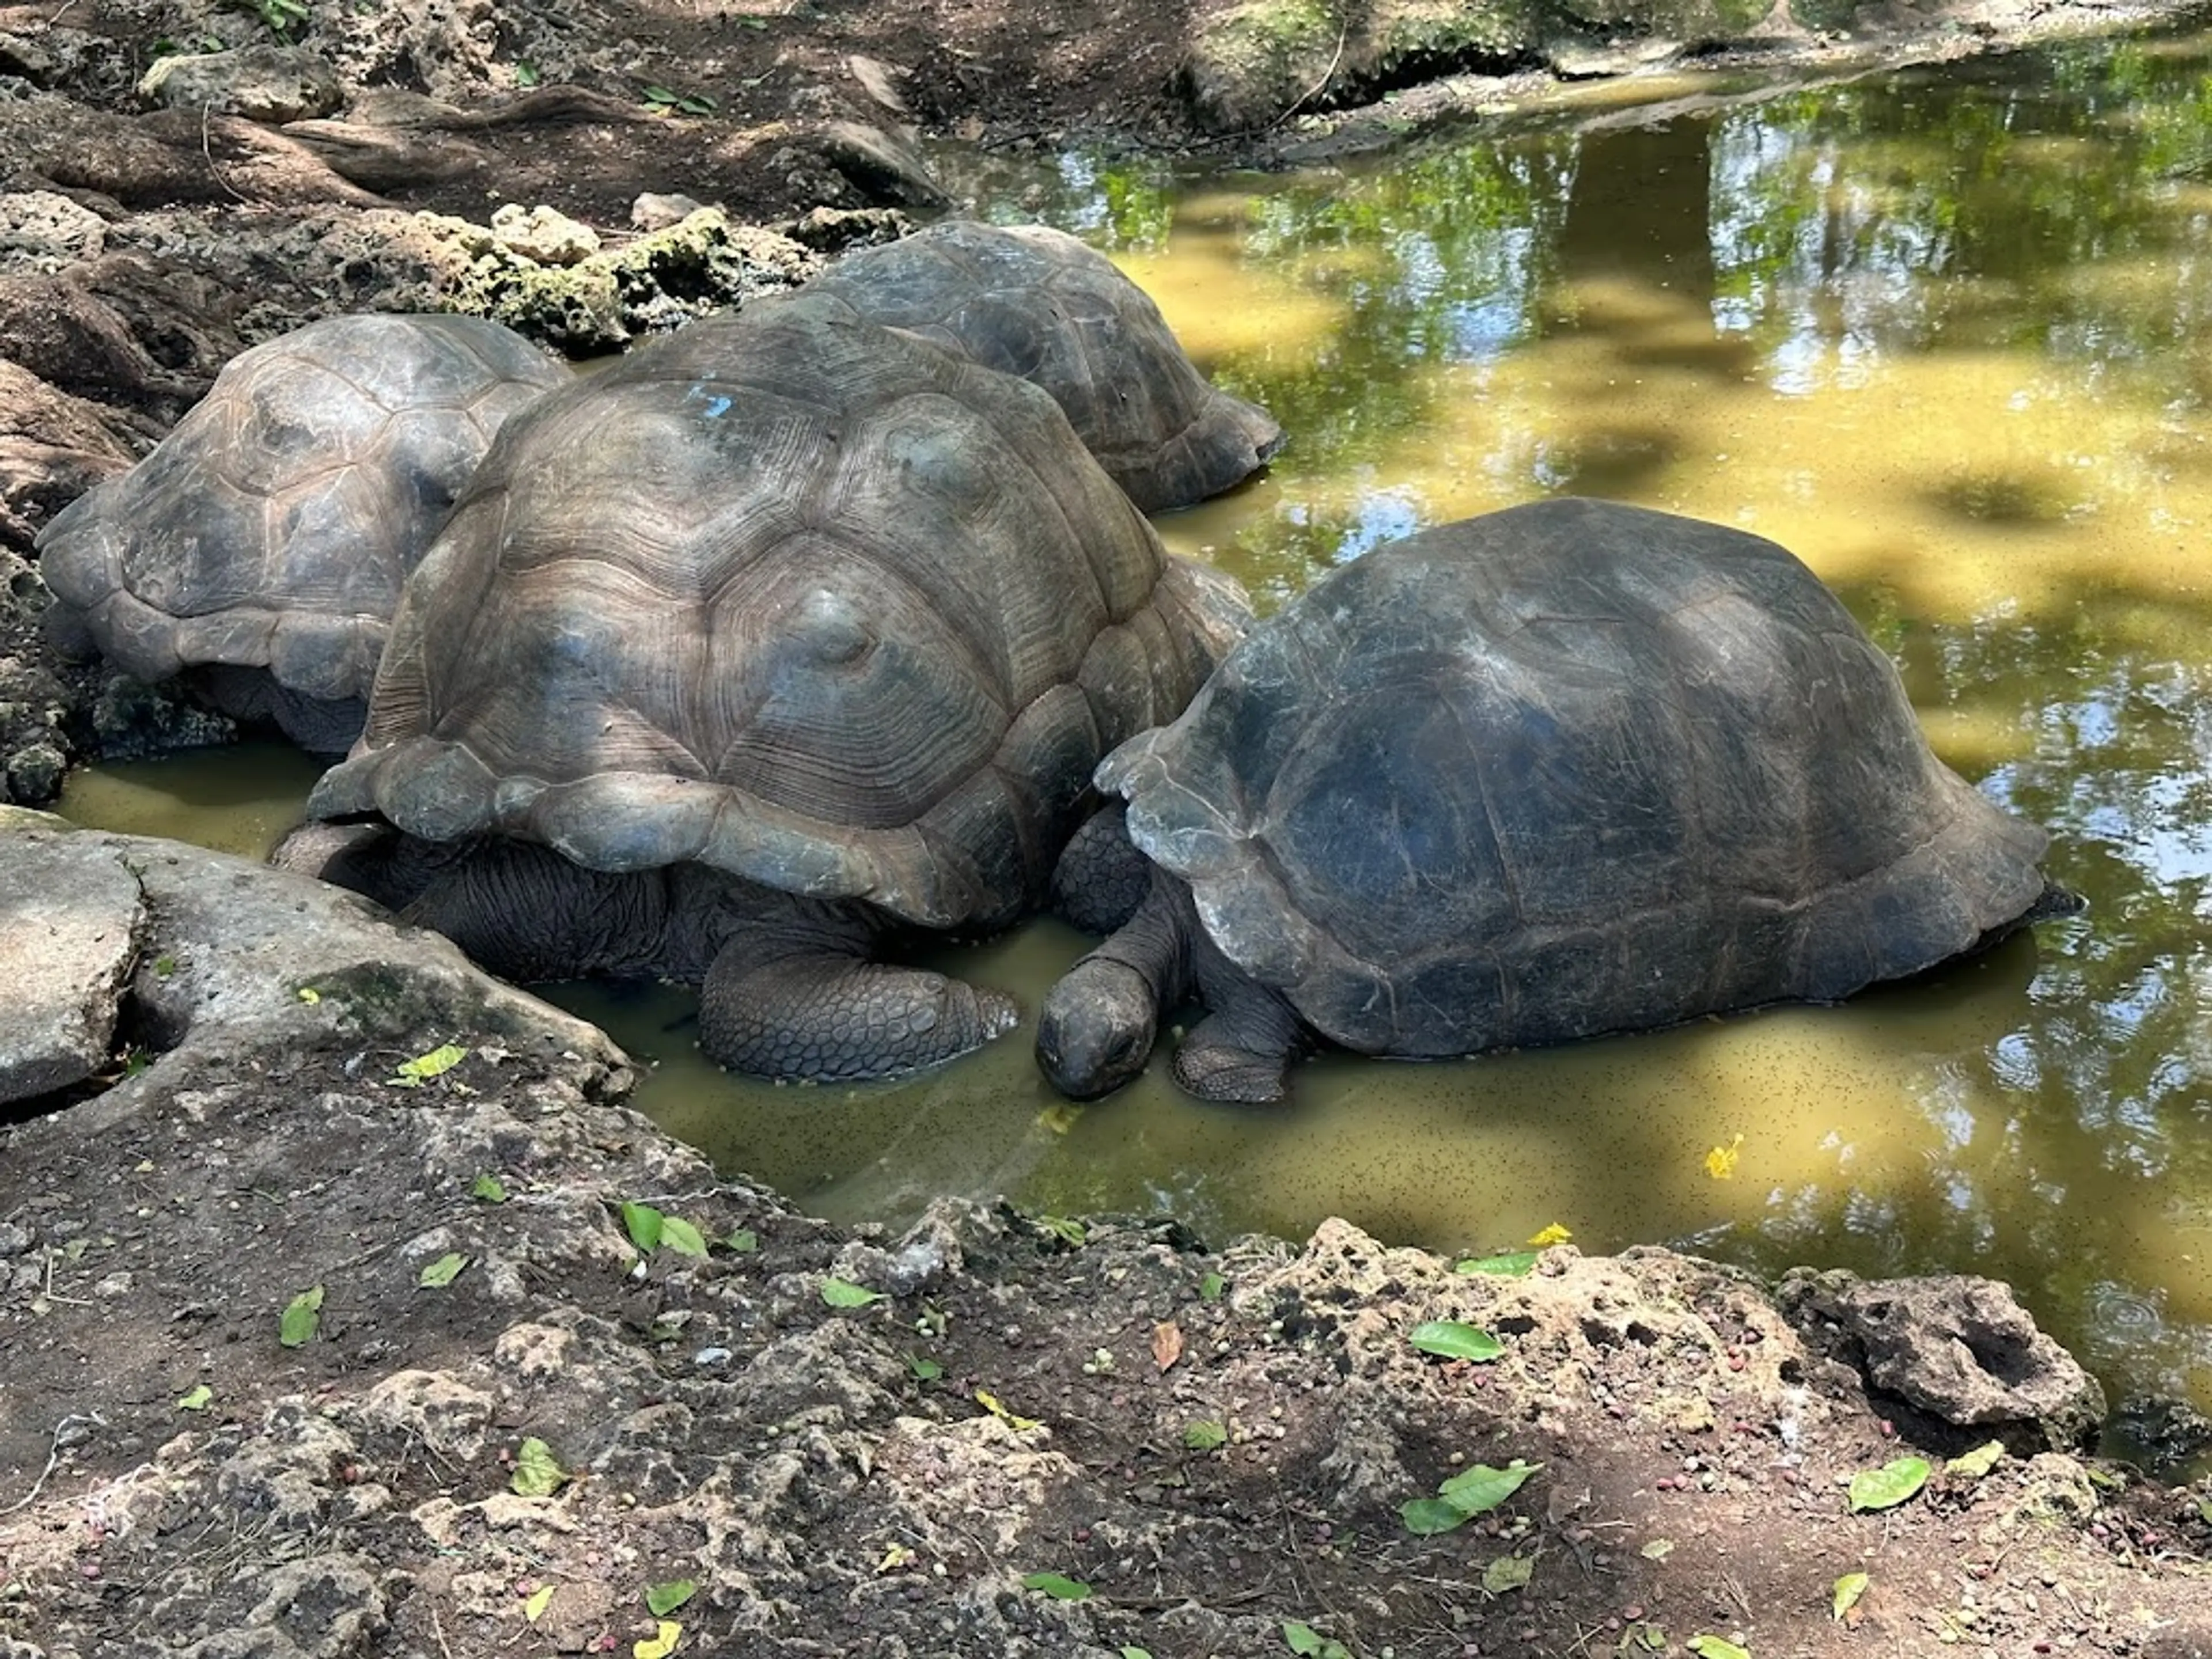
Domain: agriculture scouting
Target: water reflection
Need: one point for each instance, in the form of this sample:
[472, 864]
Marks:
[1942, 334]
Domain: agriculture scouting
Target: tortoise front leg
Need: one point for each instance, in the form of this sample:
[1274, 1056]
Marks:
[1241, 1050]
[829, 1015]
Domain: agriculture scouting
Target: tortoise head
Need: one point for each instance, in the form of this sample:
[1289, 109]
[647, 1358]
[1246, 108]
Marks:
[1095, 1032]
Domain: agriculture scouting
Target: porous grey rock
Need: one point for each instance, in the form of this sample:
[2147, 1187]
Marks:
[435, 1408]
[545, 235]
[46, 230]
[212, 953]
[70, 931]
[266, 83]
[1957, 1347]
[655, 211]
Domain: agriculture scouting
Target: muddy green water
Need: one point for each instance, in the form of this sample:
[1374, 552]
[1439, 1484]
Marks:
[1944, 335]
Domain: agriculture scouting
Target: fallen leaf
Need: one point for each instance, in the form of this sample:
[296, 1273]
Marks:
[1977, 1462]
[1849, 1589]
[1720, 1162]
[1887, 1487]
[536, 1474]
[301, 1318]
[1013, 1420]
[540, 1599]
[413, 1074]
[661, 1599]
[1551, 1234]
[1059, 1589]
[1508, 1572]
[198, 1399]
[661, 1644]
[1166, 1343]
[443, 1272]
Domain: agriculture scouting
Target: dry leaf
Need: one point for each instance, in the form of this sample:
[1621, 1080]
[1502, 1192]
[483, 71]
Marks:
[1166, 1343]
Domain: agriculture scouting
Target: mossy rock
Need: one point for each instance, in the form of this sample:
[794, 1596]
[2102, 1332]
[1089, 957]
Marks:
[600, 303]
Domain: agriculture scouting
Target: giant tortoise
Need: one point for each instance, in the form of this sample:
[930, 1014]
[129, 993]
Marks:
[1563, 770]
[784, 634]
[259, 550]
[1035, 302]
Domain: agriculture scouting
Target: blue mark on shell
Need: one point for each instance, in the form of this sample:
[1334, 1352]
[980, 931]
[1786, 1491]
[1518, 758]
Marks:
[717, 404]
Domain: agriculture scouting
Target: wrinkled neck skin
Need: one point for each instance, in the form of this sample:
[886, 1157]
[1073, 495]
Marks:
[524, 912]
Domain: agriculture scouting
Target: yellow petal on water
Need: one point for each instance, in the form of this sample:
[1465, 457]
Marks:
[1720, 1162]
[1552, 1234]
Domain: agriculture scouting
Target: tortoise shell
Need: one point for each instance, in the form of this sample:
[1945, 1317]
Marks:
[1038, 303]
[1568, 768]
[271, 529]
[793, 596]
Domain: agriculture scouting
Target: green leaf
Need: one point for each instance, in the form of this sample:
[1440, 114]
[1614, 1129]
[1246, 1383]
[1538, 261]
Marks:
[924, 1370]
[742, 1241]
[198, 1399]
[1068, 1231]
[680, 1235]
[1425, 1518]
[1211, 1287]
[1887, 1487]
[413, 1074]
[1303, 1638]
[1977, 1462]
[642, 1223]
[1508, 1572]
[661, 1599]
[444, 1271]
[1512, 1264]
[536, 1472]
[540, 1599]
[301, 1319]
[525, 73]
[1849, 1589]
[843, 1293]
[1716, 1647]
[1059, 1589]
[309, 994]
[1136, 1653]
[1482, 1488]
[1204, 1436]
[488, 1188]
[1453, 1340]
[1657, 1550]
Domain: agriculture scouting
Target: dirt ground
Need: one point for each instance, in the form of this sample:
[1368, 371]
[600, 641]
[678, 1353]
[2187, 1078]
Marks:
[848, 1444]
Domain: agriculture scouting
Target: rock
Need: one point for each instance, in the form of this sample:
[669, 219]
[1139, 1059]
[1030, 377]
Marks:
[1957, 1347]
[879, 81]
[701, 264]
[44, 230]
[657, 212]
[885, 168]
[54, 448]
[832, 230]
[203, 956]
[551, 238]
[70, 932]
[267, 82]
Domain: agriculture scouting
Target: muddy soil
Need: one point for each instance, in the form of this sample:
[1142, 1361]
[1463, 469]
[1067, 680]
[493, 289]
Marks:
[518, 1422]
